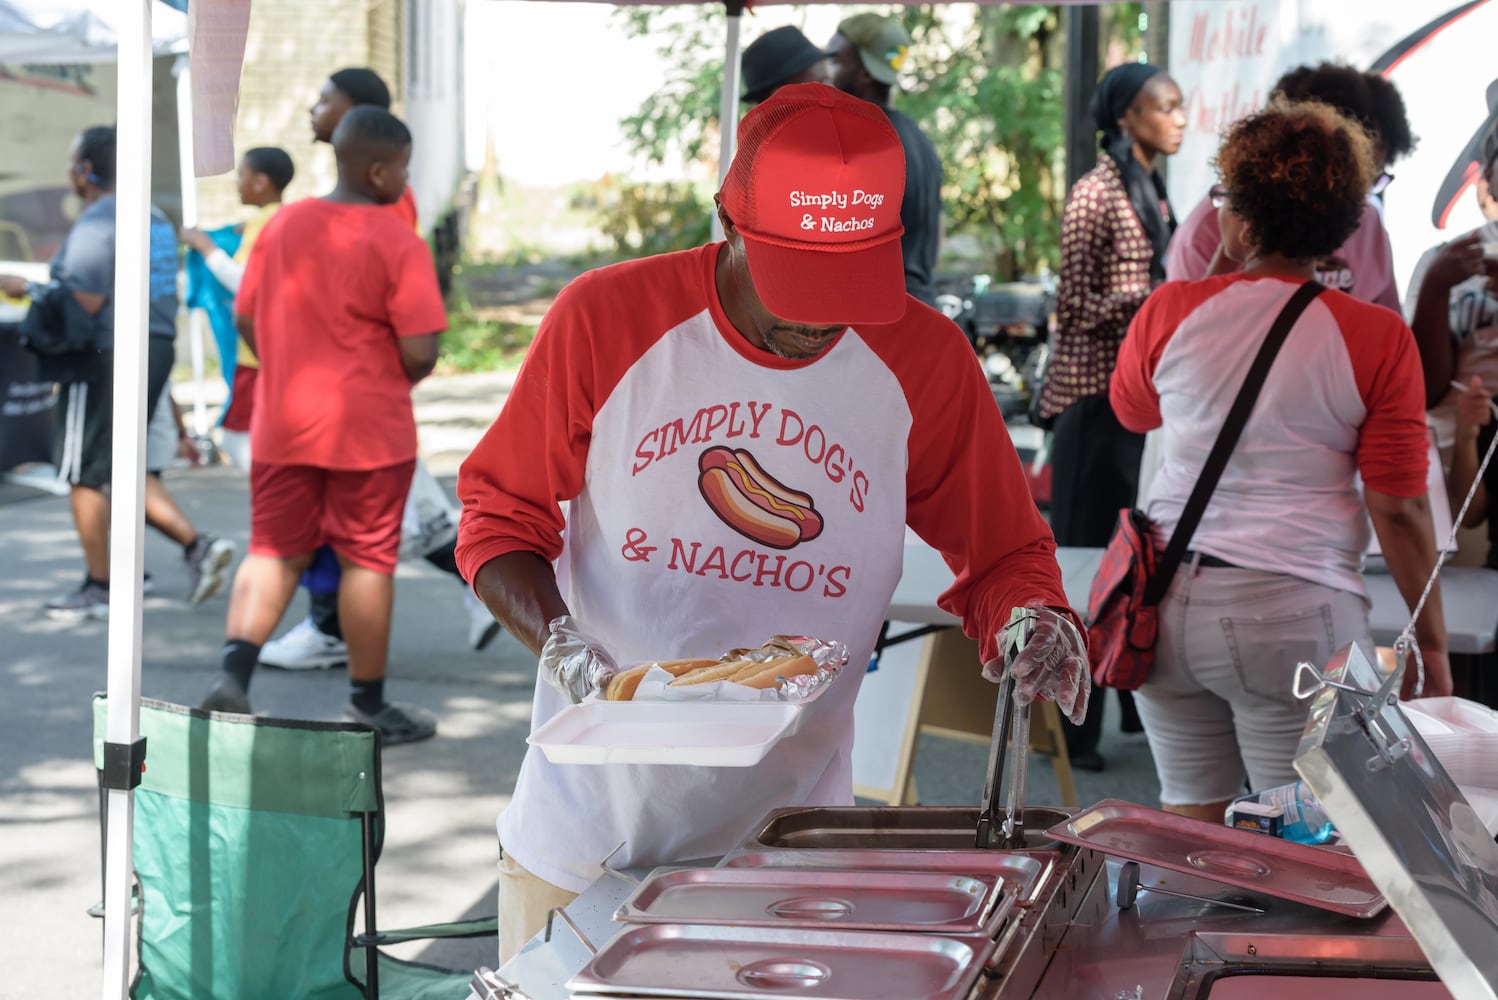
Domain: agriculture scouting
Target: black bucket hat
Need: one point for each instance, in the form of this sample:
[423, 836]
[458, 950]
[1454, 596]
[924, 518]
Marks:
[773, 58]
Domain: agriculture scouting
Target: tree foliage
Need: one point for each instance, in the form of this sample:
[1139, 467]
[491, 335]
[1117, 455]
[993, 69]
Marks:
[984, 82]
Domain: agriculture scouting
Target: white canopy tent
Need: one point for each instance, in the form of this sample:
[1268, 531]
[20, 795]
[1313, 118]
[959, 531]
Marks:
[69, 31]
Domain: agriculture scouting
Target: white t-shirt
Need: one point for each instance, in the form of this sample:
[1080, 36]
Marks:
[1474, 323]
[635, 378]
[1345, 395]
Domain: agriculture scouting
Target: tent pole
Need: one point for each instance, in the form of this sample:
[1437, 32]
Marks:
[1081, 24]
[728, 107]
[190, 219]
[127, 520]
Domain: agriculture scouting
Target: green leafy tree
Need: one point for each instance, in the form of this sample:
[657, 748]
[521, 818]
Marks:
[679, 122]
[985, 84]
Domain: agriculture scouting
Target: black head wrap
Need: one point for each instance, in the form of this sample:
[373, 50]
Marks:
[1115, 94]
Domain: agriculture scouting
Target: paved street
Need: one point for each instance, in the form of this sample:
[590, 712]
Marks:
[442, 795]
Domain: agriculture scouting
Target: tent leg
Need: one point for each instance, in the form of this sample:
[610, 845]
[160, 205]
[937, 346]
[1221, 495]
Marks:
[728, 106]
[127, 494]
[189, 183]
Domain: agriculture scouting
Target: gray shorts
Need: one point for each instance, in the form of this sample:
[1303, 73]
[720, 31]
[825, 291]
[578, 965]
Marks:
[161, 435]
[1217, 707]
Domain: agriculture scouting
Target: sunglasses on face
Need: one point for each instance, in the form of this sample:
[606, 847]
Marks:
[1381, 183]
[1219, 195]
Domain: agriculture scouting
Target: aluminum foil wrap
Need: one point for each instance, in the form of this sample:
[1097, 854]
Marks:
[830, 657]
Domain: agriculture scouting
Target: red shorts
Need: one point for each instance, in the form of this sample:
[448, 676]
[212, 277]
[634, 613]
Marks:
[296, 509]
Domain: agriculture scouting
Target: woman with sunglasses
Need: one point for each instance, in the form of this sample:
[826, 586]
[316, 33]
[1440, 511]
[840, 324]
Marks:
[1272, 573]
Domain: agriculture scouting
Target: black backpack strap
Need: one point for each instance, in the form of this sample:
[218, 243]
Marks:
[1227, 440]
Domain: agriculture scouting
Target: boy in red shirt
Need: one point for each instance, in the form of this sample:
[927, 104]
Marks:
[340, 303]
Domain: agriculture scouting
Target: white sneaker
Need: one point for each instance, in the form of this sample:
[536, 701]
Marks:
[482, 628]
[304, 648]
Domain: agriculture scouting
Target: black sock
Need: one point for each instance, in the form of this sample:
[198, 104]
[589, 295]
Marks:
[89, 581]
[191, 547]
[367, 696]
[323, 610]
[238, 660]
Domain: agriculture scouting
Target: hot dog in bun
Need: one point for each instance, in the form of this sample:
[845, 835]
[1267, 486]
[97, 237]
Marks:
[750, 673]
[752, 502]
[623, 685]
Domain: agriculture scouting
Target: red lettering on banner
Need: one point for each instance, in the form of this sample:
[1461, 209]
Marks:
[1239, 36]
[1213, 114]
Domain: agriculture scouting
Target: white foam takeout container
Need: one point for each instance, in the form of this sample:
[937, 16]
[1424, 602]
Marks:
[701, 733]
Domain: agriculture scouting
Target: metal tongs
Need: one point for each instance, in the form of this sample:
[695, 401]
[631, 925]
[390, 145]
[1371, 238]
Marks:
[1008, 753]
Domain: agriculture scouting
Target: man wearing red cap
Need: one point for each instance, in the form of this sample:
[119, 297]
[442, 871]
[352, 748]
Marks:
[794, 346]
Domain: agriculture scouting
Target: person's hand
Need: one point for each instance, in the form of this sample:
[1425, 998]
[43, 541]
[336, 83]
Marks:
[13, 286]
[1437, 676]
[573, 662]
[1050, 665]
[1457, 261]
[1474, 410]
[187, 450]
[199, 241]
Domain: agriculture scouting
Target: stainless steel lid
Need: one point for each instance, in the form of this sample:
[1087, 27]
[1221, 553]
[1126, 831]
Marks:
[1405, 819]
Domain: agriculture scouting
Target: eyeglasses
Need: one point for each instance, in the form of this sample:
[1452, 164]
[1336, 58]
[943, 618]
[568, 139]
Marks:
[1381, 183]
[1219, 195]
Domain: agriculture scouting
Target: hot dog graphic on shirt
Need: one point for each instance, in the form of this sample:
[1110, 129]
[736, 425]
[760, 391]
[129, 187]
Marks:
[754, 503]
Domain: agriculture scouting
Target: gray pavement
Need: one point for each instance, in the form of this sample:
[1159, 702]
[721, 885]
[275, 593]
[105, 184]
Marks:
[441, 795]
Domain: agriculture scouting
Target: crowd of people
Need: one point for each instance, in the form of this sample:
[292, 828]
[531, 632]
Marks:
[1157, 324]
[580, 508]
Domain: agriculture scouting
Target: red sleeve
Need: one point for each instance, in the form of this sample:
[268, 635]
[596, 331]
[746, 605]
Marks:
[966, 493]
[1393, 450]
[1131, 389]
[413, 299]
[1086, 242]
[533, 458]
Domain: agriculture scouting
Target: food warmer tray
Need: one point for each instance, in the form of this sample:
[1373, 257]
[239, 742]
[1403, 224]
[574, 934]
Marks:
[1023, 872]
[1325, 879]
[905, 828]
[855, 900]
[750, 963]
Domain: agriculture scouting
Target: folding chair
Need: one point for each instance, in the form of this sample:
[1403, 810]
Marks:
[255, 847]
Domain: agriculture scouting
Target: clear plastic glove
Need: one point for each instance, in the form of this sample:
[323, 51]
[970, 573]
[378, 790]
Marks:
[1050, 664]
[574, 662]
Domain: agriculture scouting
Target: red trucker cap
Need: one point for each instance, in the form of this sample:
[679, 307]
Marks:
[815, 191]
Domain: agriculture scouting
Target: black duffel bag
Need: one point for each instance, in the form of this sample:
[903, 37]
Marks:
[60, 332]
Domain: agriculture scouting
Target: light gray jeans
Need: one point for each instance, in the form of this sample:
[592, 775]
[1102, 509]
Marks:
[1217, 707]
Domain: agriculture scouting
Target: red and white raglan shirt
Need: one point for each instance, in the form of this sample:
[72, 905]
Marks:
[634, 385]
[1345, 396]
